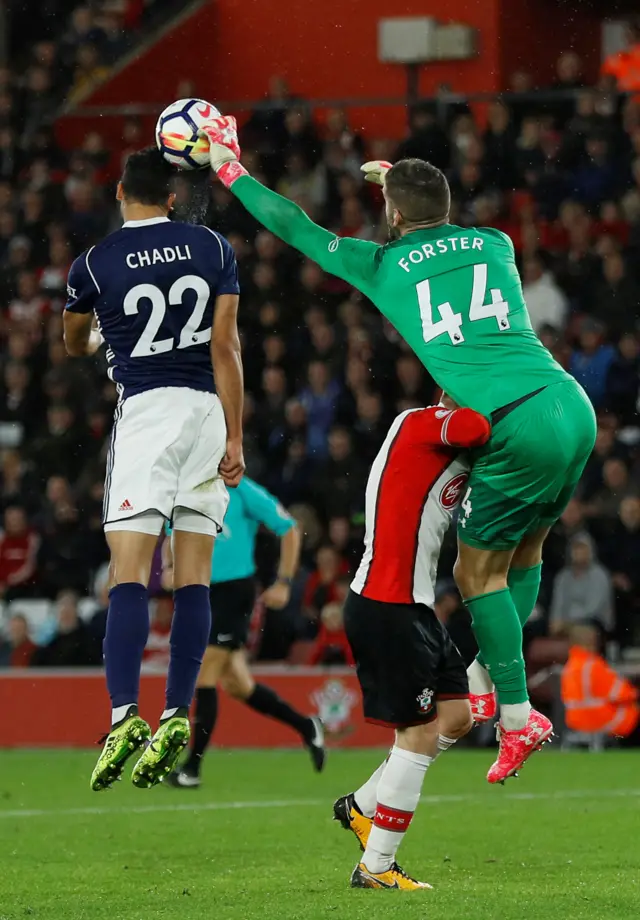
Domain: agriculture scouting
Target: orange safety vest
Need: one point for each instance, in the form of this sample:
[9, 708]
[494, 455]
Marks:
[625, 67]
[596, 699]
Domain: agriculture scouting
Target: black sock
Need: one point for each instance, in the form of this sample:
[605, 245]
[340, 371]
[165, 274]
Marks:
[204, 724]
[265, 700]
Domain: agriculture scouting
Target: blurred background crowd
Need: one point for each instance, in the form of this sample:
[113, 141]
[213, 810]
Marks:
[555, 167]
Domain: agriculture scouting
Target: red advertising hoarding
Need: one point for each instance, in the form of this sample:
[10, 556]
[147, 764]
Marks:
[71, 709]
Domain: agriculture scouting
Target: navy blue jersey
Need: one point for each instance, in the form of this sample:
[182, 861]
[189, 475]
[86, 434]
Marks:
[153, 286]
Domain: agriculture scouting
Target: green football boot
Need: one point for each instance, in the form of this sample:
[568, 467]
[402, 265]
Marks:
[163, 752]
[120, 744]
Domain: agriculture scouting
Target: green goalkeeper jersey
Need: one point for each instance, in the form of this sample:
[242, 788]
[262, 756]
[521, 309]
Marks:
[454, 294]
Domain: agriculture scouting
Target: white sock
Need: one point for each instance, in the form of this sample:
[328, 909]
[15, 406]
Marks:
[445, 743]
[480, 681]
[514, 716]
[399, 790]
[118, 714]
[366, 796]
[168, 713]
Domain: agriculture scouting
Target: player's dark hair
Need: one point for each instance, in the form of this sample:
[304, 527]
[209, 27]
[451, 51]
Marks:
[419, 191]
[147, 177]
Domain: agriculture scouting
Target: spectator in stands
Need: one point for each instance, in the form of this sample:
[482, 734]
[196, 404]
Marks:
[15, 484]
[342, 538]
[499, 148]
[624, 66]
[266, 130]
[319, 399]
[69, 552]
[596, 178]
[582, 591]
[370, 425]
[322, 587]
[59, 451]
[72, 646]
[18, 401]
[616, 486]
[591, 360]
[568, 77]
[546, 303]
[338, 484]
[38, 101]
[18, 555]
[300, 134]
[339, 131]
[291, 480]
[18, 650]
[621, 552]
[331, 645]
[426, 140]
[623, 380]
[82, 29]
[615, 299]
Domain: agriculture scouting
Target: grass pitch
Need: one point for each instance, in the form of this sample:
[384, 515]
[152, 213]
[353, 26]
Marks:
[257, 841]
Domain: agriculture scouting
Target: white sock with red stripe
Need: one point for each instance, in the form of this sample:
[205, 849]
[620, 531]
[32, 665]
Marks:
[398, 791]
[367, 795]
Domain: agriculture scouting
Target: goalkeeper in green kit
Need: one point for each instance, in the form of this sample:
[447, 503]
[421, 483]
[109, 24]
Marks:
[455, 296]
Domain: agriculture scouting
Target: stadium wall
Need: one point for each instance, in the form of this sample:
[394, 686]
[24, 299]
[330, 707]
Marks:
[230, 48]
[71, 709]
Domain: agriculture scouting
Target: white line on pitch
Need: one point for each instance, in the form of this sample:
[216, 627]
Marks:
[304, 803]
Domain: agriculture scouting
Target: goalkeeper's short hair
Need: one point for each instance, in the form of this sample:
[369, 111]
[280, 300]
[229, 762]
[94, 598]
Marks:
[418, 190]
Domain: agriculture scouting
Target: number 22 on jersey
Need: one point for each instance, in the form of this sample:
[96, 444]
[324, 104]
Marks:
[451, 323]
[147, 344]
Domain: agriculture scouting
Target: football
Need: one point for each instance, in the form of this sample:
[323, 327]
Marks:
[177, 133]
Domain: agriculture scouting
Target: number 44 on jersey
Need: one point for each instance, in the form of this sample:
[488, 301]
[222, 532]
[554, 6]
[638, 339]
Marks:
[450, 323]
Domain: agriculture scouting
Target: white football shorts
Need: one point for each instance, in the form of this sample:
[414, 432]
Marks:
[165, 449]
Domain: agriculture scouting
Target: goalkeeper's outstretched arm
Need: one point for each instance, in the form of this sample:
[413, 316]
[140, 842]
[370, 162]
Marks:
[355, 261]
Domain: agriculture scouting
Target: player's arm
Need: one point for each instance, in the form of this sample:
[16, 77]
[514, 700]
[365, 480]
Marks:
[265, 508]
[226, 358]
[278, 594]
[355, 261]
[81, 338]
[463, 428]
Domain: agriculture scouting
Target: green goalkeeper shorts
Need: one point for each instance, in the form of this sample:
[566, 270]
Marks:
[524, 477]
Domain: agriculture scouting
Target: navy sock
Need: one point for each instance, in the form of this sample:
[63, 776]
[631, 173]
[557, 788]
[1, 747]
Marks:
[124, 641]
[189, 639]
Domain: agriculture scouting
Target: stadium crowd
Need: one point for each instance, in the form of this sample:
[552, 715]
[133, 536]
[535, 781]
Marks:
[325, 375]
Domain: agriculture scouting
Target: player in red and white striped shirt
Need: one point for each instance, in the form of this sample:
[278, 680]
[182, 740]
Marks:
[412, 676]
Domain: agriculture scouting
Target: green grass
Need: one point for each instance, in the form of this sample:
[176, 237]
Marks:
[562, 842]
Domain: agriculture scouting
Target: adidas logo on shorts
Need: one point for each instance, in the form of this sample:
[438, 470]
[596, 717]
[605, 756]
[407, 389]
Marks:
[126, 506]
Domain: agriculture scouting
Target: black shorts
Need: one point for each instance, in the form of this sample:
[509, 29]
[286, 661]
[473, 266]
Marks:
[405, 660]
[231, 609]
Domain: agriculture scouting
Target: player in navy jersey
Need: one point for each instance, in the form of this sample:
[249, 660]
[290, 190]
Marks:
[412, 676]
[164, 297]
